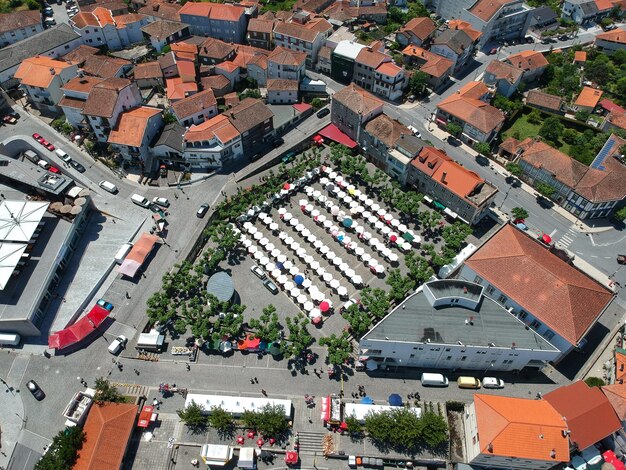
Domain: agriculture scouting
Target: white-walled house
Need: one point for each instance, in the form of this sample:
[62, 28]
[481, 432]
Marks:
[195, 109]
[75, 94]
[212, 144]
[19, 25]
[135, 131]
[42, 78]
[101, 28]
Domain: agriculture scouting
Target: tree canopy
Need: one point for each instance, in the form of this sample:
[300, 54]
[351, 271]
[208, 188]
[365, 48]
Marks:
[63, 450]
[339, 348]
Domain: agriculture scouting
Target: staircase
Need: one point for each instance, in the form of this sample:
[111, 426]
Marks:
[311, 442]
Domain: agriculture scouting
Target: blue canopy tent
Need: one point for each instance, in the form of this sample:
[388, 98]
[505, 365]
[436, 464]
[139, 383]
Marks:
[395, 400]
[367, 400]
[298, 279]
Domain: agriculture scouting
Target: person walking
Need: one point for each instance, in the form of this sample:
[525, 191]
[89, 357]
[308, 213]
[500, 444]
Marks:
[263, 392]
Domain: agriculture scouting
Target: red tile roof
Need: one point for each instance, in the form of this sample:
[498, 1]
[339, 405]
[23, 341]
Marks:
[565, 169]
[148, 70]
[357, 99]
[194, 104]
[39, 71]
[485, 9]
[108, 429]
[82, 84]
[565, 299]
[544, 100]
[228, 66]
[283, 56]
[281, 84]
[520, 428]
[131, 126]
[616, 395]
[527, 60]
[617, 35]
[465, 106]
[177, 89]
[434, 65]
[421, 27]
[504, 71]
[580, 56]
[466, 28]
[588, 412]
[79, 55]
[219, 127]
[389, 69]
[214, 11]
[19, 19]
[588, 97]
[608, 184]
[387, 130]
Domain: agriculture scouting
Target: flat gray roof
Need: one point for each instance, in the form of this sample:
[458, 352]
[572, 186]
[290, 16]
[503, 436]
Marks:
[29, 173]
[415, 320]
[221, 286]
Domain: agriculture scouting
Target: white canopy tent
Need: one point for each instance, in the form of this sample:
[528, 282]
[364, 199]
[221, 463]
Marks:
[10, 255]
[19, 219]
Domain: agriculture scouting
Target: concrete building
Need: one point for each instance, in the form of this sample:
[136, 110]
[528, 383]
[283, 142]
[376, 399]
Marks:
[366, 63]
[532, 63]
[42, 78]
[254, 121]
[611, 41]
[437, 68]
[453, 324]
[390, 81]
[53, 43]
[506, 432]
[169, 147]
[554, 299]
[459, 192]
[343, 61]
[212, 144]
[454, 45]
[160, 33]
[545, 102]
[503, 77]
[19, 25]
[416, 32]
[351, 108]
[196, 108]
[106, 101]
[257, 69]
[101, 28]
[304, 35]
[213, 51]
[135, 131]
[148, 75]
[470, 108]
[585, 12]
[75, 94]
[261, 33]
[286, 64]
[220, 21]
[282, 91]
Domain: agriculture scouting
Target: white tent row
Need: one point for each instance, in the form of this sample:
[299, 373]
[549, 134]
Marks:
[19, 219]
[10, 255]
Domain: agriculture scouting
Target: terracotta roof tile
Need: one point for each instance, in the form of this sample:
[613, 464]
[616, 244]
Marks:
[620, 370]
[18, 20]
[565, 299]
[564, 168]
[186, 70]
[39, 71]
[588, 412]
[162, 29]
[588, 97]
[617, 119]
[544, 100]
[386, 130]
[79, 55]
[103, 15]
[283, 56]
[389, 69]
[466, 27]
[527, 60]
[465, 106]
[214, 11]
[107, 429]
[279, 84]
[128, 18]
[371, 58]
[218, 83]
[259, 25]
[248, 114]
[616, 395]
[504, 71]
[421, 27]
[306, 32]
[104, 66]
[580, 56]
[148, 70]
[216, 49]
[161, 9]
[103, 97]
[218, 127]
[83, 19]
[357, 99]
[249, 54]
[607, 184]
[194, 104]
[520, 428]
[228, 66]
[82, 84]
[75, 103]
[485, 9]
[131, 126]
[258, 60]
[617, 35]
[177, 89]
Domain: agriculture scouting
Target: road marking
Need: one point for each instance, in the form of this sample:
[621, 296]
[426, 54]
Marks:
[591, 238]
[552, 233]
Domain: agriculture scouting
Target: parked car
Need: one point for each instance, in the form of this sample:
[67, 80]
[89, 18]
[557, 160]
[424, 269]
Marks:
[77, 166]
[105, 305]
[54, 169]
[48, 145]
[323, 112]
[108, 186]
[117, 344]
[493, 51]
[278, 142]
[37, 137]
[48, 11]
[35, 390]
[416, 133]
[563, 37]
[161, 201]
[468, 382]
[529, 39]
[270, 286]
[202, 210]
[492, 382]
[258, 272]
[9, 119]
[411, 98]
[256, 156]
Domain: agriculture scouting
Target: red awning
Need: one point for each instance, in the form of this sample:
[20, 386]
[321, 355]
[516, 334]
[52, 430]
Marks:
[138, 255]
[332, 132]
[253, 343]
[301, 107]
[144, 416]
[79, 330]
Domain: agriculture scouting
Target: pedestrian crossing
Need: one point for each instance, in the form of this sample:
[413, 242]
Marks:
[567, 238]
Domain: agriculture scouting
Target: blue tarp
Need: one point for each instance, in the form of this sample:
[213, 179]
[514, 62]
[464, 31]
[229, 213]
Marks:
[395, 400]
[367, 401]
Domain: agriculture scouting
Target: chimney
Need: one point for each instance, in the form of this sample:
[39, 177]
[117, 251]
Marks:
[443, 177]
[52, 71]
[490, 447]
[553, 453]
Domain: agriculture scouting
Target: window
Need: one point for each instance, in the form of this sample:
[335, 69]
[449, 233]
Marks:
[490, 289]
[502, 299]
[549, 334]
[463, 358]
[522, 315]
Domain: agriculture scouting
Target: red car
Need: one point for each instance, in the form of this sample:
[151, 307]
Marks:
[49, 146]
[37, 137]
[54, 169]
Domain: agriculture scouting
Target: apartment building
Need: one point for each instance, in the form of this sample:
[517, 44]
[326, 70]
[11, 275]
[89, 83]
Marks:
[19, 25]
[195, 109]
[254, 121]
[135, 131]
[351, 108]
[220, 21]
[101, 28]
[261, 33]
[303, 35]
[75, 94]
[212, 144]
[286, 64]
[160, 33]
[42, 79]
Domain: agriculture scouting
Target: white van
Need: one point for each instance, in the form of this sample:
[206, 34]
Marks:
[140, 200]
[434, 380]
[122, 252]
[43, 164]
[9, 339]
[62, 155]
[108, 186]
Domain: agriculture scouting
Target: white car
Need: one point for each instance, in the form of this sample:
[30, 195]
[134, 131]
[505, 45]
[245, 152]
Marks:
[492, 382]
[161, 201]
[416, 133]
[258, 272]
[117, 344]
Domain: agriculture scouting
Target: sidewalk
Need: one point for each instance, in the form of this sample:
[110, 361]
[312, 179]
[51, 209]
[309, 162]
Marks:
[12, 418]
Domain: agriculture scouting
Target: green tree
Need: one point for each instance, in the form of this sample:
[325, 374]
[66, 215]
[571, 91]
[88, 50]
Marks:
[299, 339]
[456, 234]
[375, 302]
[581, 115]
[434, 430]
[620, 86]
[551, 129]
[354, 426]
[534, 117]
[339, 348]
[570, 135]
[506, 105]
[429, 219]
[221, 420]
[519, 213]
[227, 325]
[544, 189]
[358, 320]
[594, 382]
[482, 148]
[418, 83]
[454, 129]
[193, 416]
[317, 103]
[375, 178]
[267, 326]
[600, 69]
[169, 118]
[419, 267]
[269, 420]
[400, 285]
[105, 392]
[63, 450]
[514, 169]
[620, 214]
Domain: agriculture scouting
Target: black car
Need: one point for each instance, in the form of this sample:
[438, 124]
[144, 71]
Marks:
[35, 390]
[278, 142]
[202, 210]
[270, 286]
[323, 112]
[77, 166]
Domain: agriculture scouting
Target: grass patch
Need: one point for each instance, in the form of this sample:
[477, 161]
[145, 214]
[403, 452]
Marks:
[9, 6]
[522, 129]
[273, 5]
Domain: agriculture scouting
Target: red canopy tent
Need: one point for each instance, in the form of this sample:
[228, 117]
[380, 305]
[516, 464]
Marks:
[145, 416]
[291, 457]
[79, 330]
[333, 133]
[138, 255]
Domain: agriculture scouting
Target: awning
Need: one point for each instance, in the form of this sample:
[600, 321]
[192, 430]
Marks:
[19, 219]
[332, 132]
[428, 199]
[145, 416]
[291, 457]
[79, 330]
[439, 205]
[450, 212]
[138, 255]
[408, 237]
[442, 121]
